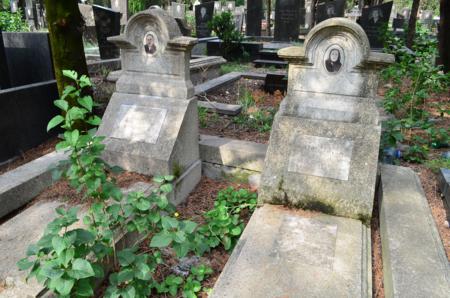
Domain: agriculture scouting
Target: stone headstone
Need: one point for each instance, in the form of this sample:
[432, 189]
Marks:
[4, 72]
[184, 27]
[107, 23]
[329, 9]
[406, 13]
[309, 5]
[398, 23]
[323, 149]
[238, 21]
[374, 20]
[151, 122]
[217, 7]
[426, 18]
[287, 20]
[178, 10]
[254, 15]
[230, 6]
[122, 7]
[203, 14]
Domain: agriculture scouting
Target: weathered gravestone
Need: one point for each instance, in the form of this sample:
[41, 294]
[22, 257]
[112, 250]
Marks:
[203, 14]
[323, 150]
[238, 21]
[230, 6]
[254, 15]
[107, 23]
[151, 121]
[374, 21]
[178, 10]
[426, 18]
[287, 20]
[406, 13]
[329, 9]
[217, 7]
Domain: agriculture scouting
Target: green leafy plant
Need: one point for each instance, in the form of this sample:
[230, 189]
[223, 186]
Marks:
[13, 21]
[68, 259]
[224, 27]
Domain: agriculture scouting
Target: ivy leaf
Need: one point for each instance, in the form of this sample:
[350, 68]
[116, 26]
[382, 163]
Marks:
[169, 222]
[126, 257]
[70, 74]
[85, 81]
[162, 239]
[25, 264]
[84, 288]
[64, 285]
[58, 244]
[142, 271]
[189, 226]
[125, 275]
[143, 204]
[86, 102]
[236, 231]
[166, 187]
[62, 104]
[55, 121]
[81, 269]
[94, 120]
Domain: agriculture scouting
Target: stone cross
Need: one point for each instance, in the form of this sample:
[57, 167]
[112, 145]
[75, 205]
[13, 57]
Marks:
[151, 122]
[323, 150]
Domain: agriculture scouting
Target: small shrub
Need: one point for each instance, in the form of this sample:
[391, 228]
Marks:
[13, 21]
[224, 27]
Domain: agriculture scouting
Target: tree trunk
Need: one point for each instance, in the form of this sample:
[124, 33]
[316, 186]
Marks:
[444, 35]
[412, 24]
[65, 26]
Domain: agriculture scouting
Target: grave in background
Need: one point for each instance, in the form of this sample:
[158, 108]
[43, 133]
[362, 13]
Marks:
[287, 20]
[178, 10]
[203, 14]
[374, 20]
[329, 9]
[323, 150]
[107, 23]
[151, 121]
[253, 18]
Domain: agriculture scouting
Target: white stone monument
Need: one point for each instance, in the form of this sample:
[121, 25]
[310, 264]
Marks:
[151, 122]
[323, 150]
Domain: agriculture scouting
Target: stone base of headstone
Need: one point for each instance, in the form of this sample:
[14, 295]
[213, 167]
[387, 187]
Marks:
[284, 253]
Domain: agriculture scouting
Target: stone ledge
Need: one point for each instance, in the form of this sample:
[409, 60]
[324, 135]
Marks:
[21, 185]
[221, 108]
[232, 153]
[414, 260]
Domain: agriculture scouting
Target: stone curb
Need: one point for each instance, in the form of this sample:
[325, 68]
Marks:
[414, 259]
[21, 185]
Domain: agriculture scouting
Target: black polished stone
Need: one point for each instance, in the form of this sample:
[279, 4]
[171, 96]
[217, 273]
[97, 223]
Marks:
[254, 16]
[329, 9]
[287, 20]
[203, 14]
[374, 20]
[107, 23]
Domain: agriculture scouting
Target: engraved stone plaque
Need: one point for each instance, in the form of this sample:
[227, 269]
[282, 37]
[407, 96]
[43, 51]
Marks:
[306, 240]
[321, 157]
[138, 123]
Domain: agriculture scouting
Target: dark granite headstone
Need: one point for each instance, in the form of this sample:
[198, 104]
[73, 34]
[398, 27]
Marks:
[398, 23]
[203, 14]
[287, 20]
[373, 20]
[254, 14]
[107, 23]
[29, 57]
[184, 27]
[4, 72]
[274, 82]
[329, 9]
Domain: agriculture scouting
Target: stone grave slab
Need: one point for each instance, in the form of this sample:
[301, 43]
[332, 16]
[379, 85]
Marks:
[203, 14]
[151, 122]
[323, 149]
[373, 20]
[254, 14]
[284, 253]
[329, 9]
[287, 20]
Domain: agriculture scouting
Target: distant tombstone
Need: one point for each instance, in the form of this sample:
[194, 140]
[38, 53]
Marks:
[178, 10]
[308, 14]
[4, 72]
[150, 123]
[230, 6]
[287, 20]
[107, 23]
[122, 7]
[254, 15]
[217, 7]
[184, 27]
[406, 13]
[302, 13]
[398, 22]
[329, 9]
[426, 18]
[203, 14]
[238, 21]
[324, 143]
[373, 20]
